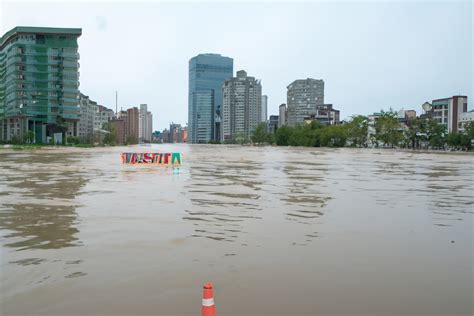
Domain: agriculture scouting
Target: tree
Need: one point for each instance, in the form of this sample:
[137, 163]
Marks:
[260, 134]
[465, 141]
[305, 135]
[357, 129]
[469, 128]
[435, 133]
[240, 138]
[388, 128]
[282, 135]
[333, 136]
[16, 140]
[271, 138]
[130, 140]
[73, 140]
[111, 135]
[416, 132]
[29, 137]
[458, 140]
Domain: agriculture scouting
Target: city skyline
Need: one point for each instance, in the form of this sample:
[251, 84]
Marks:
[388, 63]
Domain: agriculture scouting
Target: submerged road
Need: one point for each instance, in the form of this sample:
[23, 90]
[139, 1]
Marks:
[279, 231]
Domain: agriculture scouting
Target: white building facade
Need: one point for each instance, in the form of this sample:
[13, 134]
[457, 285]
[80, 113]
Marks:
[448, 111]
[264, 108]
[92, 117]
[464, 119]
[303, 96]
[145, 124]
[241, 106]
[85, 124]
[282, 112]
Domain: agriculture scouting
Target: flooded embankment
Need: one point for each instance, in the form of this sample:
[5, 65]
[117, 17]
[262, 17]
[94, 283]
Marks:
[279, 231]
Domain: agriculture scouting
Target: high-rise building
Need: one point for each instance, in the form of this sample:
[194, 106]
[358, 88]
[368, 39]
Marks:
[102, 115]
[141, 122]
[120, 126]
[184, 135]
[202, 123]
[264, 108]
[273, 123]
[92, 117]
[242, 106]
[85, 123]
[175, 133]
[145, 124]
[149, 127]
[207, 73]
[303, 96]
[165, 136]
[39, 83]
[282, 111]
[131, 128]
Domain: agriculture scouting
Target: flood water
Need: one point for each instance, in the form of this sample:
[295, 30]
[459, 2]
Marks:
[279, 231]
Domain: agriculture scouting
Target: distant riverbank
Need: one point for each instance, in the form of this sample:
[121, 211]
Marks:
[73, 148]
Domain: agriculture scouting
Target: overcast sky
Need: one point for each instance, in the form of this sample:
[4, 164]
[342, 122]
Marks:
[370, 55]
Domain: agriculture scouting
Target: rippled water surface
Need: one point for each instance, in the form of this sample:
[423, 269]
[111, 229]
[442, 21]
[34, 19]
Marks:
[279, 231]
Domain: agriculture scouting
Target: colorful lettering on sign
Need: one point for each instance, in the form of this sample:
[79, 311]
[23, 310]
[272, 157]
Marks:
[152, 158]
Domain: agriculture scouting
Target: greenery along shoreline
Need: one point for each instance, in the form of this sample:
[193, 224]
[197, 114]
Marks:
[386, 132]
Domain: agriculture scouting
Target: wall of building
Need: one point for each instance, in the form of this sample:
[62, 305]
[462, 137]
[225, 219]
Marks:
[202, 109]
[302, 98]
[282, 115]
[264, 108]
[145, 124]
[447, 111]
[41, 89]
[207, 73]
[242, 106]
[132, 125]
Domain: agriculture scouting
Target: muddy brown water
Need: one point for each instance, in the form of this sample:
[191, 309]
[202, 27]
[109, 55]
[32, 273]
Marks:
[279, 231]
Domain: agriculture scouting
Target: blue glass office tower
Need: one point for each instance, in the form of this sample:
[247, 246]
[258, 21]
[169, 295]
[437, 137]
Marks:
[207, 73]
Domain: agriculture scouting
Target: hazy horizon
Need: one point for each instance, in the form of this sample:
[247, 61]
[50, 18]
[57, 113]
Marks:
[370, 55]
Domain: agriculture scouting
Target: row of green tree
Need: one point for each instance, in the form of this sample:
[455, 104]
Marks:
[386, 131]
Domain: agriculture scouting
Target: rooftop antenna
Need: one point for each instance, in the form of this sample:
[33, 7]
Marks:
[116, 98]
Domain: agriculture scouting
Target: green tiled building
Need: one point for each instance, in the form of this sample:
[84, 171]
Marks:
[39, 83]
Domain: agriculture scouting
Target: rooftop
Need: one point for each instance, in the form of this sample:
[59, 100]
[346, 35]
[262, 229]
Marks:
[305, 81]
[40, 30]
[445, 99]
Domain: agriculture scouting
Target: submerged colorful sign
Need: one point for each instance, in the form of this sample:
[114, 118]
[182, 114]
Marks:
[152, 158]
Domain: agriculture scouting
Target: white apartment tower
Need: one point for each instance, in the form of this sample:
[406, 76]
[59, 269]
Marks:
[282, 111]
[241, 106]
[264, 108]
[303, 98]
[145, 124]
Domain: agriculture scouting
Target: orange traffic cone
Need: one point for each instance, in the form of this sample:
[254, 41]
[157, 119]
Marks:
[207, 301]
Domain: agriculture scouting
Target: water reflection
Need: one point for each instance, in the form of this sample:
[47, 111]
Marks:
[36, 226]
[305, 197]
[448, 195]
[224, 196]
[27, 220]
